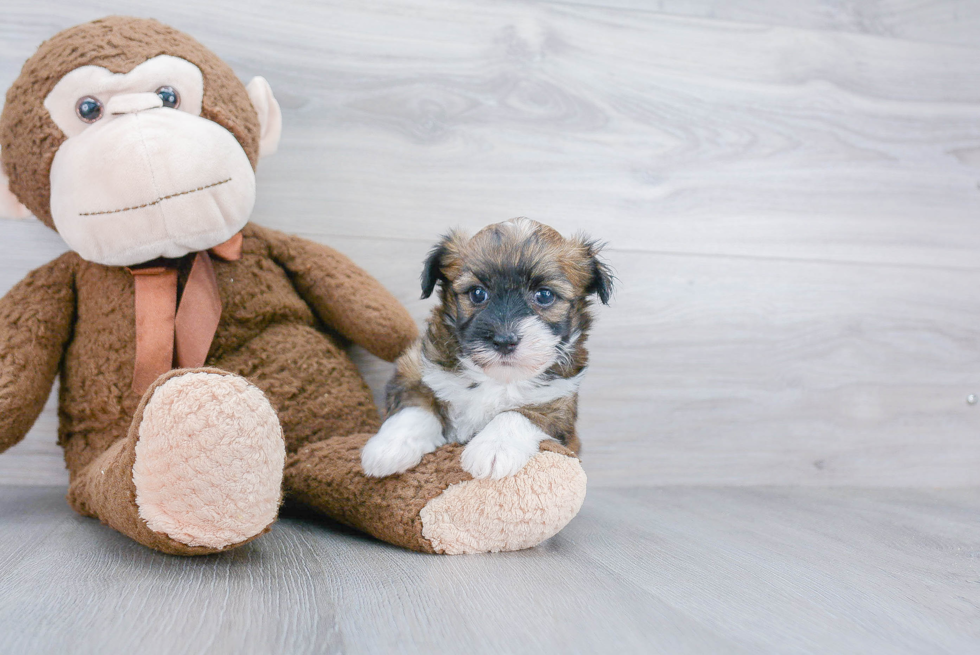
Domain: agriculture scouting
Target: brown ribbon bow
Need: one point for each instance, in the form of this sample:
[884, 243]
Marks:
[168, 336]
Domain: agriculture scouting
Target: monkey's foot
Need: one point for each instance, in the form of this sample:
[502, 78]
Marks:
[437, 507]
[512, 513]
[209, 458]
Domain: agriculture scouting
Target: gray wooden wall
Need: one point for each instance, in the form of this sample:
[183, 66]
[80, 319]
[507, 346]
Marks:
[789, 191]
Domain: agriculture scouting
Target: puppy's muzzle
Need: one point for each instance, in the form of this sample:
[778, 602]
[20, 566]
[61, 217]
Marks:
[505, 342]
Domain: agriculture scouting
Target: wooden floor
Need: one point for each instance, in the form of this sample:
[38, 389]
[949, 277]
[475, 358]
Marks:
[789, 190]
[652, 570]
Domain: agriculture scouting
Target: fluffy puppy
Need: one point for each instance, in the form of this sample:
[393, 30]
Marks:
[500, 364]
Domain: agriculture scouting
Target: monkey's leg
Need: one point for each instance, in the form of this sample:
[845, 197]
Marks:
[199, 472]
[314, 386]
[437, 507]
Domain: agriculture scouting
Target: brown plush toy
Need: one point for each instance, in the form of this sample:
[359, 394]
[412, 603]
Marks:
[202, 362]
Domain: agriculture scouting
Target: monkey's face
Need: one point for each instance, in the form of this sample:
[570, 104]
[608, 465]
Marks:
[142, 174]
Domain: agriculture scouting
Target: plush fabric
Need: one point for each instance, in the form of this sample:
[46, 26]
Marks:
[125, 192]
[134, 89]
[327, 476]
[269, 114]
[104, 489]
[209, 460]
[36, 320]
[267, 333]
[10, 206]
[437, 507]
[193, 465]
[118, 44]
[520, 511]
[277, 329]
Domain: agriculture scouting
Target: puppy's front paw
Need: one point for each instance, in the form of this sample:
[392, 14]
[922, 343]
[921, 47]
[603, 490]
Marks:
[401, 442]
[503, 447]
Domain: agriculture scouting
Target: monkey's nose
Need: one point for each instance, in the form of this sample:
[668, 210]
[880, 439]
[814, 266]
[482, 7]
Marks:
[130, 103]
[505, 343]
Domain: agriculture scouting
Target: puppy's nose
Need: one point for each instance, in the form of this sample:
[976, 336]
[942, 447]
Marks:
[505, 343]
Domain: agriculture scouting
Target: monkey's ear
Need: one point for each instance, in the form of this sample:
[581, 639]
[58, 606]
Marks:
[270, 115]
[10, 207]
[442, 255]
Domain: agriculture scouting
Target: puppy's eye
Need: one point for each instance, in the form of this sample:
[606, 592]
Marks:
[169, 96]
[89, 109]
[478, 295]
[544, 297]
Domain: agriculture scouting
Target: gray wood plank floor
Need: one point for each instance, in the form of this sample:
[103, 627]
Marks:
[645, 570]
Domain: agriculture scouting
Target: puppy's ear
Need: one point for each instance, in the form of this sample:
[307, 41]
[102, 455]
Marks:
[442, 255]
[432, 270]
[602, 280]
[600, 275]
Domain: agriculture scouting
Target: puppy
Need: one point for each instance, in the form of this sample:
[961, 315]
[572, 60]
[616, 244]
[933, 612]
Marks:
[500, 364]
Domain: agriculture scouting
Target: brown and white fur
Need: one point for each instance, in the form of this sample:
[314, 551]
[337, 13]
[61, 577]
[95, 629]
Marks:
[500, 364]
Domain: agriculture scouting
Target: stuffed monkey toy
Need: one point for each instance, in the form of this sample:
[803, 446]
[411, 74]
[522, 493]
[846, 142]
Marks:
[201, 357]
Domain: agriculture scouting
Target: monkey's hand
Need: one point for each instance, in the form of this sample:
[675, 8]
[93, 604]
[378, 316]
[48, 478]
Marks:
[401, 442]
[503, 447]
[36, 318]
[343, 295]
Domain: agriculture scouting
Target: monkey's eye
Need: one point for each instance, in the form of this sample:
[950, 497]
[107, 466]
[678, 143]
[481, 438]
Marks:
[89, 109]
[544, 296]
[169, 96]
[478, 295]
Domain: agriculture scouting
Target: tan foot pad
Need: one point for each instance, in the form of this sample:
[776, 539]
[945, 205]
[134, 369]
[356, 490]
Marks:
[513, 513]
[209, 460]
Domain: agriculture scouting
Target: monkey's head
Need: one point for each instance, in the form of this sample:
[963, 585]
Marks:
[133, 141]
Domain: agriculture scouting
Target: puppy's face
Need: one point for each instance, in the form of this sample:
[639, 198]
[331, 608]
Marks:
[516, 295]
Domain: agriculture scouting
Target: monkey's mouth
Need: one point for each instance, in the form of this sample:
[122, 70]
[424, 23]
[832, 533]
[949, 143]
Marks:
[157, 201]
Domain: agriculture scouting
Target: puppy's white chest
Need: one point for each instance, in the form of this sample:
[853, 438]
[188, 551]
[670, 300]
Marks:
[474, 399]
[471, 409]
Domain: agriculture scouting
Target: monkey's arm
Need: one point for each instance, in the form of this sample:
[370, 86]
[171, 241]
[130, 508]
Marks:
[36, 318]
[344, 296]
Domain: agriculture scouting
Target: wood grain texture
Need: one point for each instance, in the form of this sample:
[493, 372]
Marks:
[655, 570]
[947, 22]
[790, 203]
